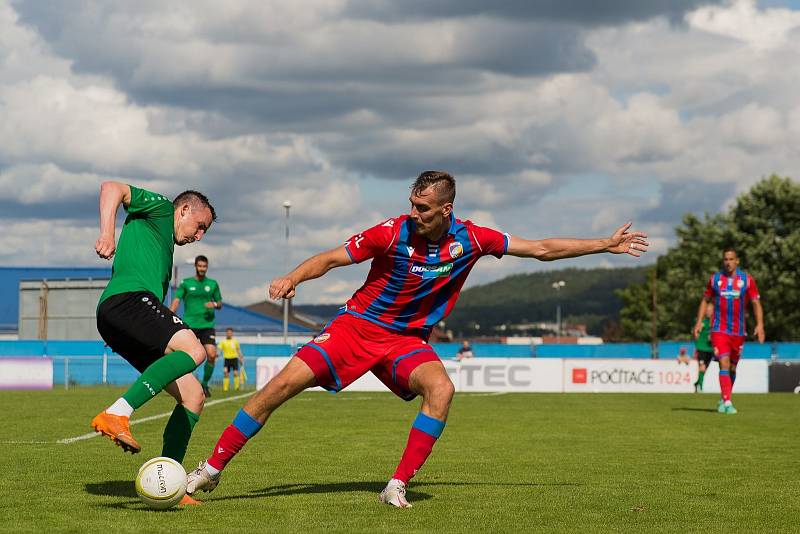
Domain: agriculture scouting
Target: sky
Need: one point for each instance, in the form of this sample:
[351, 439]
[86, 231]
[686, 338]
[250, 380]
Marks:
[556, 118]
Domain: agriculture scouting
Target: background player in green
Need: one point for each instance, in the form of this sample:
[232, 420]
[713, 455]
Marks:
[131, 317]
[201, 298]
[704, 352]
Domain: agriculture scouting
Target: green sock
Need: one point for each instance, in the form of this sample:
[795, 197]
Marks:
[208, 370]
[178, 431]
[161, 372]
[700, 376]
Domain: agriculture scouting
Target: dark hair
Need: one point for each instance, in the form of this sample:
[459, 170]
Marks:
[200, 258]
[195, 198]
[730, 249]
[443, 183]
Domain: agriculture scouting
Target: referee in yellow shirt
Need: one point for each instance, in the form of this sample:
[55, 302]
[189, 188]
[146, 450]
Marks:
[232, 353]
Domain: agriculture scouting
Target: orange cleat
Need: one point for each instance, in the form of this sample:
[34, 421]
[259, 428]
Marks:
[189, 500]
[117, 429]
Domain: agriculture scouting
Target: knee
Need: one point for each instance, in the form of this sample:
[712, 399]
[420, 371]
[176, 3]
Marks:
[440, 392]
[280, 387]
[197, 353]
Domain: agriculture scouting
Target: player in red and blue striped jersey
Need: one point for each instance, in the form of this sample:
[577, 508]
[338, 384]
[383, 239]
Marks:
[419, 264]
[729, 289]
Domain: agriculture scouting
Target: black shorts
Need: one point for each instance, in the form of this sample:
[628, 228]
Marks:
[705, 356]
[207, 336]
[137, 326]
[231, 364]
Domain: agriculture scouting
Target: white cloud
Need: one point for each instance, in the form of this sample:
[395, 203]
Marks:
[255, 103]
[764, 30]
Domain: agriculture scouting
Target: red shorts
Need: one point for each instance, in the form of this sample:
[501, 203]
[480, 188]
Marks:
[727, 345]
[350, 347]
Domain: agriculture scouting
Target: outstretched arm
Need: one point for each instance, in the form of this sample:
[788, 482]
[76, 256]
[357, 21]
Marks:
[621, 242]
[314, 267]
[112, 194]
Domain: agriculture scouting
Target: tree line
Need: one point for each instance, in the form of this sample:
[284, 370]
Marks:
[763, 225]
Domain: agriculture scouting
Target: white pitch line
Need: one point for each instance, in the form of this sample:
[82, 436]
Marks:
[26, 442]
[90, 435]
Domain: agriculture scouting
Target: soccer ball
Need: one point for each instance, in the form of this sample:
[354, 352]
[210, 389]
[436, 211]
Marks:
[161, 483]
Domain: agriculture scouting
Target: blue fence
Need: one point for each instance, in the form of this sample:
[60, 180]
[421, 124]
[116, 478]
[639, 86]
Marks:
[90, 362]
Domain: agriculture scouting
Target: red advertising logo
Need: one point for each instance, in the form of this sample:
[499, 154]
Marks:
[579, 375]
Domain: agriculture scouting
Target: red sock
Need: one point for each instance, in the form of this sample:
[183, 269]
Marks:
[418, 449]
[725, 385]
[230, 443]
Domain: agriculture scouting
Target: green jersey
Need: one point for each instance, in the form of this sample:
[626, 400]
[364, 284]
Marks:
[703, 341]
[143, 259]
[195, 294]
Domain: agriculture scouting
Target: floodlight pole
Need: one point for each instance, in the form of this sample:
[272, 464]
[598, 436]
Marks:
[287, 204]
[557, 286]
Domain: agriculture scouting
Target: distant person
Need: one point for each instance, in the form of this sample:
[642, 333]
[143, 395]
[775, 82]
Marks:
[201, 298]
[132, 319]
[729, 290]
[464, 352]
[419, 264]
[683, 356]
[704, 352]
[232, 358]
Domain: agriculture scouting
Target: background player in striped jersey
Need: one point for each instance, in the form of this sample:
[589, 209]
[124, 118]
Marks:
[419, 264]
[729, 289]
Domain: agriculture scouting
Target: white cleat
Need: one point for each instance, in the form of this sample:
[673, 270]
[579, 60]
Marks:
[395, 494]
[200, 480]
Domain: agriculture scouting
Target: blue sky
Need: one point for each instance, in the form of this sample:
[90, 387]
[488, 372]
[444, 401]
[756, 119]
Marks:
[557, 119]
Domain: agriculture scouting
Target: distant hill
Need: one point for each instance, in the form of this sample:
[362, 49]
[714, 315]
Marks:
[587, 298]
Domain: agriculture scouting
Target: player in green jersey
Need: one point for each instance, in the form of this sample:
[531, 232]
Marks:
[704, 352]
[201, 297]
[131, 317]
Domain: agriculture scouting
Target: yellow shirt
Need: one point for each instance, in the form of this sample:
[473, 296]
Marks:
[229, 348]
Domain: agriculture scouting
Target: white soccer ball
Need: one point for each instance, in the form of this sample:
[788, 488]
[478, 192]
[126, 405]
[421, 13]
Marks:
[161, 483]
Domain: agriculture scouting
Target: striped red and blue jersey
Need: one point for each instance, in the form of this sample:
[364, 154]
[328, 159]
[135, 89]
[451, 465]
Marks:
[730, 294]
[414, 283]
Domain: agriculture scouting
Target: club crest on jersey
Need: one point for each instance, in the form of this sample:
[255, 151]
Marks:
[456, 250]
[740, 283]
[322, 338]
[431, 271]
[207, 288]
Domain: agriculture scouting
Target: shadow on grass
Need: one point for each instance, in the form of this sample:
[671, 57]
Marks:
[112, 488]
[120, 488]
[685, 409]
[370, 487]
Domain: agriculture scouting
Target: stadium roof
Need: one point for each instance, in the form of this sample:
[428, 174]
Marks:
[244, 321]
[240, 319]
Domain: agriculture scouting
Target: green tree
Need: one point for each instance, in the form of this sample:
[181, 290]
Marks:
[767, 226]
[764, 227]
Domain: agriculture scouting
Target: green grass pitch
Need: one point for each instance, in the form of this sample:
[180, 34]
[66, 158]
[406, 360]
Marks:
[505, 463]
